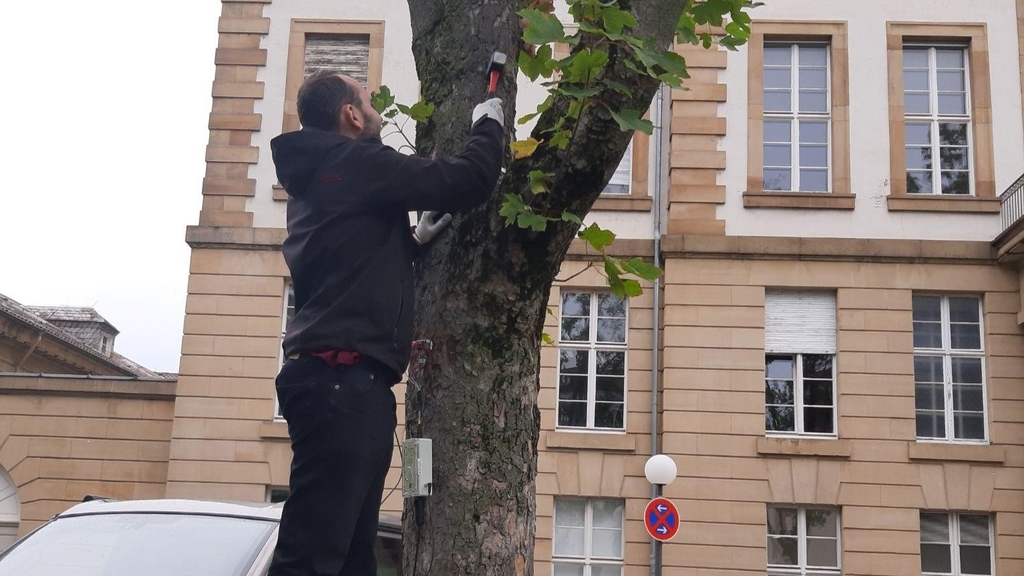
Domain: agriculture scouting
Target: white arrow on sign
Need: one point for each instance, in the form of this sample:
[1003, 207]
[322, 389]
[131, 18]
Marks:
[662, 508]
[662, 530]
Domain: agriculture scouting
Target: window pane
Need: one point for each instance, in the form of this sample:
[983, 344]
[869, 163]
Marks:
[956, 183]
[919, 158]
[813, 156]
[975, 560]
[964, 309]
[572, 388]
[915, 80]
[929, 397]
[927, 335]
[818, 420]
[777, 78]
[778, 179]
[608, 415]
[919, 134]
[813, 132]
[778, 54]
[782, 551]
[611, 330]
[575, 329]
[568, 569]
[965, 336]
[813, 55]
[973, 529]
[575, 304]
[610, 389]
[777, 155]
[817, 393]
[611, 305]
[814, 180]
[915, 57]
[611, 363]
[818, 366]
[573, 361]
[813, 101]
[934, 527]
[931, 424]
[919, 182]
[953, 158]
[570, 512]
[572, 414]
[779, 367]
[966, 370]
[605, 570]
[568, 541]
[822, 552]
[607, 543]
[951, 81]
[782, 521]
[952, 104]
[949, 58]
[928, 369]
[777, 131]
[916, 103]
[813, 78]
[777, 100]
[927, 308]
[778, 392]
[608, 513]
[953, 134]
[968, 426]
[822, 523]
[936, 558]
[968, 398]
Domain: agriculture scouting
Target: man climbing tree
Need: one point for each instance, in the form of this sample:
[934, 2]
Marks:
[482, 289]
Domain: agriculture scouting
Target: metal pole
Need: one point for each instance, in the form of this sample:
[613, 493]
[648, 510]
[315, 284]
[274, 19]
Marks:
[657, 543]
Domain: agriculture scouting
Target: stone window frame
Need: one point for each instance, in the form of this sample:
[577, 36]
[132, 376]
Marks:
[955, 540]
[975, 37]
[588, 558]
[835, 33]
[300, 28]
[802, 537]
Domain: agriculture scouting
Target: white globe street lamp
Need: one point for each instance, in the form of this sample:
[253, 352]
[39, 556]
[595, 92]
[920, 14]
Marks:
[660, 470]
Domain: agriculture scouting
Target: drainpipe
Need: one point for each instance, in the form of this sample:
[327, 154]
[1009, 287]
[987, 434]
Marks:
[659, 112]
[39, 338]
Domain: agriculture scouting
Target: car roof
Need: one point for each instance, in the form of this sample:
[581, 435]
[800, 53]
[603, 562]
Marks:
[256, 510]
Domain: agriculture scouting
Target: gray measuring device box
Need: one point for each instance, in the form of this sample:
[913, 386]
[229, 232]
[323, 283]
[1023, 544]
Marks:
[417, 467]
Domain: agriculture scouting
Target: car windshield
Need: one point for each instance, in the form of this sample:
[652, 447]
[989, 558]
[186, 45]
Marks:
[139, 544]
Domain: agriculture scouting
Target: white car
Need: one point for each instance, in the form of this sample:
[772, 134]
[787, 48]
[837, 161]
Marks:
[166, 538]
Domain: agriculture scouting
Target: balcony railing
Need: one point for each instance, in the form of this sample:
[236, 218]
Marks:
[1011, 204]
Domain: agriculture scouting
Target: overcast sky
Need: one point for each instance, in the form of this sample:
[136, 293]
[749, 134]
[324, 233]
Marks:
[105, 106]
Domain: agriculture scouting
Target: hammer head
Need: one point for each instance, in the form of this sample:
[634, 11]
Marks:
[497, 63]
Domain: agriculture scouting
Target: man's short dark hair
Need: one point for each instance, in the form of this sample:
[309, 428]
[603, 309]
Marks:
[321, 98]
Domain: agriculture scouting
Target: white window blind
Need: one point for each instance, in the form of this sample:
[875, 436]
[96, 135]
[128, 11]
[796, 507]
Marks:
[349, 55]
[800, 322]
[623, 176]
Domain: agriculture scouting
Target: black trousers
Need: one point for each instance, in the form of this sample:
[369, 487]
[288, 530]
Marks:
[341, 421]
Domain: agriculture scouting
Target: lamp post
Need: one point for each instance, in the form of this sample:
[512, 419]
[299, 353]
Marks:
[660, 471]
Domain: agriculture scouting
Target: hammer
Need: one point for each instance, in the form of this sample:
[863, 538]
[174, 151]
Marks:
[494, 69]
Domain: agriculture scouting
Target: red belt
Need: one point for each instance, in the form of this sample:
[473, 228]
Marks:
[336, 357]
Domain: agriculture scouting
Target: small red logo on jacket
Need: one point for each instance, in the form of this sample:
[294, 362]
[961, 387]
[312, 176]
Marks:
[330, 179]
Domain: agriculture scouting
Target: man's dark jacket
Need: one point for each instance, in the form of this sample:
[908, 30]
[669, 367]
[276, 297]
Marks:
[349, 247]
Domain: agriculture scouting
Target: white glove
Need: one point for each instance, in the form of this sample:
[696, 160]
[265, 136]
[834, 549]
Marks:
[489, 109]
[429, 226]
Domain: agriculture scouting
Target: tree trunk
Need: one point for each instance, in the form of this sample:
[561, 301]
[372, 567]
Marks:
[482, 291]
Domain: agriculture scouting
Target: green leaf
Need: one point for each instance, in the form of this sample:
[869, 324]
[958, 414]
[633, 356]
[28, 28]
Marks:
[561, 139]
[570, 217]
[541, 28]
[545, 338]
[575, 107]
[578, 91]
[382, 99]
[642, 269]
[535, 222]
[597, 236]
[540, 65]
[539, 181]
[524, 148]
[511, 208]
[420, 111]
[617, 86]
[584, 65]
[630, 120]
[632, 288]
[615, 19]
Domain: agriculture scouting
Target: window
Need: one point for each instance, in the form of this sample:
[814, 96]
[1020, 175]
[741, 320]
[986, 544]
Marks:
[940, 118]
[799, 363]
[588, 537]
[955, 544]
[286, 318]
[803, 541]
[592, 361]
[797, 113]
[798, 116]
[936, 103]
[623, 176]
[10, 510]
[949, 378]
[354, 48]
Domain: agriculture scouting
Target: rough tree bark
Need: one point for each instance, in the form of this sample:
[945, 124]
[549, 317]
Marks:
[482, 290]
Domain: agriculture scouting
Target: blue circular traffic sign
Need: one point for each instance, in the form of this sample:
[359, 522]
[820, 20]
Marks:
[661, 518]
